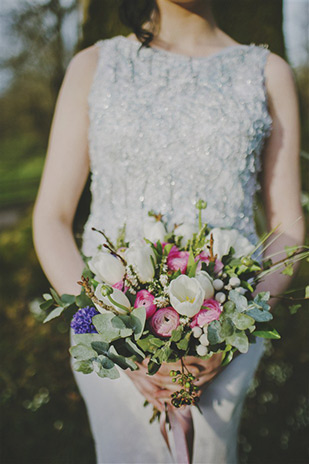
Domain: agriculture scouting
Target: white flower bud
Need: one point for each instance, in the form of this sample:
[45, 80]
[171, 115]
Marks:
[220, 297]
[218, 284]
[241, 290]
[204, 340]
[201, 350]
[205, 329]
[234, 281]
[197, 332]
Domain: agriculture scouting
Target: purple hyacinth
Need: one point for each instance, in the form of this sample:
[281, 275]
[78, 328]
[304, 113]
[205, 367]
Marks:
[82, 320]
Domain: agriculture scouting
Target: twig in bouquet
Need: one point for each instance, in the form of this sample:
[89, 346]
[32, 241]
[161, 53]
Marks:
[115, 253]
[112, 246]
[263, 239]
[288, 298]
[88, 290]
[266, 258]
[275, 238]
[282, 263]
[212, 257]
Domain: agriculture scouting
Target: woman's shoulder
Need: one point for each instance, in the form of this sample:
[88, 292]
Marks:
[279, 75]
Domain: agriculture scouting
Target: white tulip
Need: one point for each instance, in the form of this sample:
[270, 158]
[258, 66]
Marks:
[154, 230]
[207, 283]
[107, 267]
[201, 350]
[138, 256]
[186, 295]
[197, 332]
[224, 239]
[112, 297]
[186, 231]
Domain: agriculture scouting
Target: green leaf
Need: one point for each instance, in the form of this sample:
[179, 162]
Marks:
[162, 354]
[294, 308]
[242, 321]
[213, 333]
[53, 314]
[83, 366]
[47, 296]
[261, 300]
[240, 301]
[83, 300]
[118, 323]
[120, 360]
[168, 248]
[156, 342]
[104, 367]
[307, 292]
[145, 345]
[138, 319]
[176, 334]
[153, 367]
[227, 357]
[267, 334]
[100, 347]
[87, 338]
[133, 348]
[103, 324]
[56, 297]
[260, 315]
[67, 299]
[47, 304]
[239, 340]
[183, 344]
[229, 307]
[227, 327]
[82, 352]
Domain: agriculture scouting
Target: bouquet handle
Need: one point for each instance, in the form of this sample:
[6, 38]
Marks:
[181, 424]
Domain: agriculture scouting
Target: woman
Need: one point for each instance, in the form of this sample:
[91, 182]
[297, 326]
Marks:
[184, 119]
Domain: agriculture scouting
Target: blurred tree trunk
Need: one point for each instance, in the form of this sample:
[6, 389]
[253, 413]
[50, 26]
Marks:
[258, 21]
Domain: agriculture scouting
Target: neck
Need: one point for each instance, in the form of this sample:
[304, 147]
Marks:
[187, 26]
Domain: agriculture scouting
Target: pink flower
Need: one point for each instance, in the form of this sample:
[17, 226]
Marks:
[177, 260]
[164, 321]
[120, 286]
[145, 298]
[206, 315]
[204, 257]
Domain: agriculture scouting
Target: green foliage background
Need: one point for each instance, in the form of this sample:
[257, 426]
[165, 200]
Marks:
[43, 418]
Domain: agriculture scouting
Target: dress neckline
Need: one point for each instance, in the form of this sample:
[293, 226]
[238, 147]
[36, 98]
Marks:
[169, 54]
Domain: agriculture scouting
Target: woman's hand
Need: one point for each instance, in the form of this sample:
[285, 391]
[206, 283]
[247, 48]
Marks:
[158, 388]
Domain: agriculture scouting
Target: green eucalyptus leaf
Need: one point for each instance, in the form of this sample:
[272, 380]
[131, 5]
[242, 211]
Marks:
[47, 296]
[83, 300]
[83, 366]
[227, 327]
[100, 347]
[239, 340]
[261, 299]
[87, 338]
[133, 348]
[240, 301]
[104, 367]
[82, 352]
[242, 321]
[47, 304]
[103, 324]
[214, 333]
[120, 360]
[260, 315]
[53, 314]
[67, 299]
[138, 320]
[56, 297]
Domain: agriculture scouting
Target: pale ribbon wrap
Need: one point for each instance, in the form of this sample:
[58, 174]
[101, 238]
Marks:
[183, 432]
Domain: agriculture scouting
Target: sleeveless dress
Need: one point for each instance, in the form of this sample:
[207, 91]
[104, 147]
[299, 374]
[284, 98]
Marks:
[164, 131]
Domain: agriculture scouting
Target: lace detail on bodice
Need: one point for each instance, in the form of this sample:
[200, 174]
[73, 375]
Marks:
[168, 129]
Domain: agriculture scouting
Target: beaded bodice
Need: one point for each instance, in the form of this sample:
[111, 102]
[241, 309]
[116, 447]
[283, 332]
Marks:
[167, 129]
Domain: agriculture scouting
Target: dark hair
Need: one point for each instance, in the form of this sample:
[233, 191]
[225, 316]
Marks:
[133, 13]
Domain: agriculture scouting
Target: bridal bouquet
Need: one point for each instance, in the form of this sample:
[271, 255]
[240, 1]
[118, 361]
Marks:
[166, 296]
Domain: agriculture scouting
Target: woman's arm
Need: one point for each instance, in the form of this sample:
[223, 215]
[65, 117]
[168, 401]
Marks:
[65, 173]
[281, 186]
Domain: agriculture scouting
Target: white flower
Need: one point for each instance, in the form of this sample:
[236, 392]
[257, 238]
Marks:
[112, 297]
[225, 239]
[154, 230]
[138, 255]
[220, 297]
[206, 282]
[186, 230]
[186, 295]
[107, 268]
[201, 350]
[197, 331]
[204, 339]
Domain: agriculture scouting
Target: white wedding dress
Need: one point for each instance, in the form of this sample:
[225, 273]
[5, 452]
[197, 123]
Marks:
[165, 130]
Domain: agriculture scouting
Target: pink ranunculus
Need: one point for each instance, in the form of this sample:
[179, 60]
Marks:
[177, 260]
[120, 286]
[145, 298]
[204, 257]
[205, 315]
[164, 321]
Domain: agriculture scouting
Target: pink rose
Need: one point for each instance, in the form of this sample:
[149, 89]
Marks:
[120, 286]
[204, 257]
[177, 260]
[205, 315]
[145, 298]
[164, 321]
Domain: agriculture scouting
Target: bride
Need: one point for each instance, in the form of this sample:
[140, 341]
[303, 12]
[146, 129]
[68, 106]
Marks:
[191, 114]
